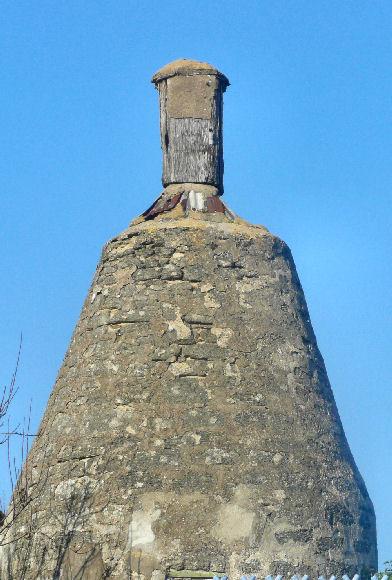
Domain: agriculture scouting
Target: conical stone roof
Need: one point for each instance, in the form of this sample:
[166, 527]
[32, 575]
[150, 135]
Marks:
[192, 425]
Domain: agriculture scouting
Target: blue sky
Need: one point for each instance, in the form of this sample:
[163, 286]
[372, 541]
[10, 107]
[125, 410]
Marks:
[307, 153]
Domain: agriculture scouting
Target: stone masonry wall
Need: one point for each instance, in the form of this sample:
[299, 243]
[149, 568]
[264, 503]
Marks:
[192, 424]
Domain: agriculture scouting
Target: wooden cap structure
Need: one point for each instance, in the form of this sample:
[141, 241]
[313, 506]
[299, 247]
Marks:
[191, 113]
[187, 67]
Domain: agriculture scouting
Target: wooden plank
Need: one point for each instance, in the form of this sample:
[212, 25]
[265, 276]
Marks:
[193, 574]
[192, 152]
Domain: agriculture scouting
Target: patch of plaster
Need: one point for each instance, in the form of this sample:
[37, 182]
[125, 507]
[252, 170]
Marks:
[140, 532]
[179, 368]
[182, 330]
[234, 523]
[223, 335]
[235, 520]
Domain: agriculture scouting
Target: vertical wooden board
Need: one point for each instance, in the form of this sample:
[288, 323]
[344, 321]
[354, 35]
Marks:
[193, 151]
[192, 167]
[191, 134]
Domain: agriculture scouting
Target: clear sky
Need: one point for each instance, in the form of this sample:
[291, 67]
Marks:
[308, 153]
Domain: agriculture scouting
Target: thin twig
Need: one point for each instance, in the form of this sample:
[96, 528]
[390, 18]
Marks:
[20, 433]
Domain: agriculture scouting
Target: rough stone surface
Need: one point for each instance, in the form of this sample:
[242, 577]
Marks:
[192, 424]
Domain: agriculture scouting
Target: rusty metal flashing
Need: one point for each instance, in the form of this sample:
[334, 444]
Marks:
[191, 201]
[215, 204]
[161, 205]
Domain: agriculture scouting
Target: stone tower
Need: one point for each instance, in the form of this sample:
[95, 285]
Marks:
[192, 429]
